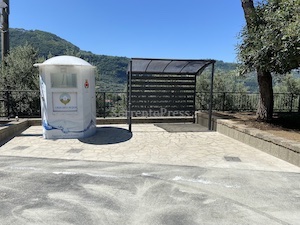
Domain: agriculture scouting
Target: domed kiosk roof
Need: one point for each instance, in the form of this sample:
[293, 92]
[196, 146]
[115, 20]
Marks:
[64, 60]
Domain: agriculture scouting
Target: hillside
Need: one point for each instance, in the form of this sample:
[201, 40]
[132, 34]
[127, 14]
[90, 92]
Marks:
[45, 42]
[111, 70]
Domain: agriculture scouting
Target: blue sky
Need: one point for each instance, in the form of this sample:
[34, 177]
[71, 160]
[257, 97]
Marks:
[187, 29]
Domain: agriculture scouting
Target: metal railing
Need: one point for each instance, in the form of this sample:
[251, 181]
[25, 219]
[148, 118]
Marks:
[26, 103]
[23, 103]
[239, 101]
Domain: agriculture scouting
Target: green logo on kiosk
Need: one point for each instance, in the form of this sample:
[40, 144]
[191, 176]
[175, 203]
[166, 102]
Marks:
[65, 98]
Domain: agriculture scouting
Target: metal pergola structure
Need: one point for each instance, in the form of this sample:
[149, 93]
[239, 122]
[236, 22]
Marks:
[165, 86]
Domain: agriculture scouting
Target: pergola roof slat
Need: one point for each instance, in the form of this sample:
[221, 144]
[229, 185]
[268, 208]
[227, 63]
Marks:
[169, 66]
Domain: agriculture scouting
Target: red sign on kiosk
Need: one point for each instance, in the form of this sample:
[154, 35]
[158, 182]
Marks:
[86, 84]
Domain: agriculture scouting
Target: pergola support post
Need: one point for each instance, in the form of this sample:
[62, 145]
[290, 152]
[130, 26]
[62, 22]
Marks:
[211, 97]
[195, 92]
[129, 114]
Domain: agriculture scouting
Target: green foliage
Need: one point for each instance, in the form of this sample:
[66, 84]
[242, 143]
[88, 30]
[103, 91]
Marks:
[288, 84]
[272, 43]
[18, 72]
[227, 81]
[225, 66]
[111, 71]
[250, 81]
[72, 52]
[226, 86]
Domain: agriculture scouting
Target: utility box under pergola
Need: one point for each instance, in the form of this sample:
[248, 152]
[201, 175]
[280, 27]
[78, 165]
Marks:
[163, 87]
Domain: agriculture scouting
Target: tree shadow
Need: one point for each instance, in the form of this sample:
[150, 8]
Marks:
[108, 135]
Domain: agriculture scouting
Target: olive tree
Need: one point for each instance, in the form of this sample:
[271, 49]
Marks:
[19, 78]
[270, 44]
[18, 72]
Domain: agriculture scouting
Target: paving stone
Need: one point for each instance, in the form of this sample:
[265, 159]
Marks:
[150, 144]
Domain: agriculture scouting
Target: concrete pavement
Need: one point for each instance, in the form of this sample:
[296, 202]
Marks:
[148, 143]
[65, 192]
[159, 174]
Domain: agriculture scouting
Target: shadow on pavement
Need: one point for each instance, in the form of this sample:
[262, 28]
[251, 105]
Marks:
[108, 135]
[30, 135]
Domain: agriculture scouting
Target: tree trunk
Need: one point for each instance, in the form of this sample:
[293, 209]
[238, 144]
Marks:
[266, 99]
[249, 12]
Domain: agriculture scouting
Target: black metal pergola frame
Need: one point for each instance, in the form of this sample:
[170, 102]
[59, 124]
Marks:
[141, 69]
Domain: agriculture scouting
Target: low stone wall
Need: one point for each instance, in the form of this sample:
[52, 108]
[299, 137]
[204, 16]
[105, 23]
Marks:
[284, 149]
[11, 129]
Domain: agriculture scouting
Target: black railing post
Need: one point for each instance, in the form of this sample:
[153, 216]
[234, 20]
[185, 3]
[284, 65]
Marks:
[291, 103]
[223, 103]
[104, 105]
[298, 103]
[7, 95]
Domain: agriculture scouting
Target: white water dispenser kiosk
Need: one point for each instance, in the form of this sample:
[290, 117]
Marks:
[68, 103]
